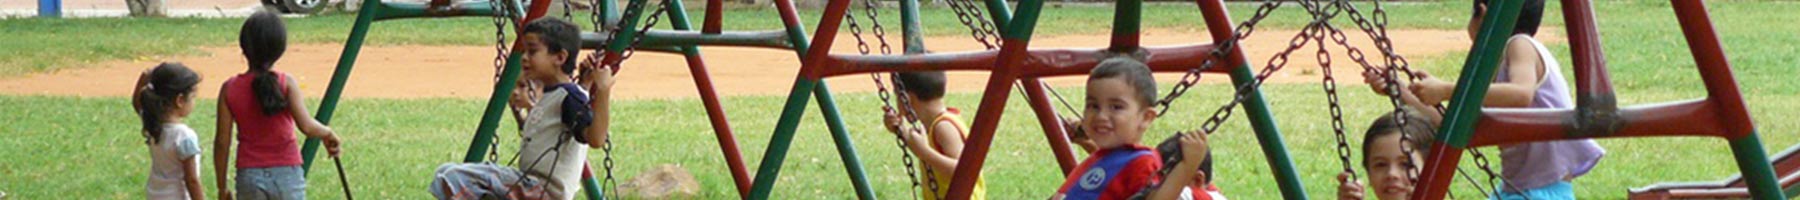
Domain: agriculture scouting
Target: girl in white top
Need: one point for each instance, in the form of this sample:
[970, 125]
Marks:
[163, 97]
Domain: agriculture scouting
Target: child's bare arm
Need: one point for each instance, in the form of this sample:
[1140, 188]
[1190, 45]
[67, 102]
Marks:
[222, 147]
[1522, 66]
[192, 168]
[309, 126]
[600, 129]
[950, 144]
[1193, 152]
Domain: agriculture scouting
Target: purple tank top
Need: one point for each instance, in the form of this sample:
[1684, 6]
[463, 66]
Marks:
[1538, 164]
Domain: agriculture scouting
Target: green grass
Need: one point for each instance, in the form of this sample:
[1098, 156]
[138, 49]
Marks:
[89, 148]
[54, 44]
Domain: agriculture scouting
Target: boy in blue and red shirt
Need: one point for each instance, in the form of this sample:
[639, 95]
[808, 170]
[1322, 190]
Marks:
[1120, 92]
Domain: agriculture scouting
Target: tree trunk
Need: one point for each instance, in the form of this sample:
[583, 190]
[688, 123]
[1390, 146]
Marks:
[147, 8]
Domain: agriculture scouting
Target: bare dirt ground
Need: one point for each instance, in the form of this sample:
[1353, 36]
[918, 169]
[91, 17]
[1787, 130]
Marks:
[467, 71]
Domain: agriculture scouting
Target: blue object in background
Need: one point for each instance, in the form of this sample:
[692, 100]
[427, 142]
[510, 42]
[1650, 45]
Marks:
[50, 8]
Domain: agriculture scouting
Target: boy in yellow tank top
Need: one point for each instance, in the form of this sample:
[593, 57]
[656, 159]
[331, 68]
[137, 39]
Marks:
[940, 144]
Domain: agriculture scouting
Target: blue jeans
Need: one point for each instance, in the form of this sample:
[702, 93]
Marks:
[1558, 190]
[274, 183]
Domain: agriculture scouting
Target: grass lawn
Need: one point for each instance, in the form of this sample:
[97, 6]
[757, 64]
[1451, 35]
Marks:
[88, 148]
[393, 145]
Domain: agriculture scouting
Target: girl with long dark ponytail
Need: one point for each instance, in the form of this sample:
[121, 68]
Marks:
[260, 109]
[163, 97]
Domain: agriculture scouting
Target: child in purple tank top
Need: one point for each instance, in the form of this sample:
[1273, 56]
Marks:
[1529, 77]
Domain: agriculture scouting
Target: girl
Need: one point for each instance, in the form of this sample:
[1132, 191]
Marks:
[163, 97]
[1387, 167]
[265, 106]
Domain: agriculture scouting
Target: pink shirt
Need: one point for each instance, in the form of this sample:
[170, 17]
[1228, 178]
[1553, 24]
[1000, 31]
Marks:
[264, 139]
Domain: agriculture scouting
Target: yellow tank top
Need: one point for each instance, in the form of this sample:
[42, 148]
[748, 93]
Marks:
[952, 116]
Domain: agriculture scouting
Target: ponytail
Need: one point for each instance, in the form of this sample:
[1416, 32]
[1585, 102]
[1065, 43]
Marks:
[168, 83]
[264, 39]
[153, 108]
[267, 86]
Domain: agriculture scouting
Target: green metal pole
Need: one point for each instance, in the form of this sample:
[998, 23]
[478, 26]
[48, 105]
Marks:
[1479, 68]
[770, 168]
[1127, 18]
[496, 107]
[841, 136]
[1755, 165]
[630, 29]
[773, 157]
[910, 28]
[1267, 135]
[339, 77]
[1000, 13]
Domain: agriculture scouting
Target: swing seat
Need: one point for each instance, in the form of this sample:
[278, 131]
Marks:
[1787, 165]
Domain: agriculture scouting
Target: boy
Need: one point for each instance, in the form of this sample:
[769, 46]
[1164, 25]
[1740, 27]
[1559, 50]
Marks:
[1120, 93]
[1529, 77]
[550, 160]
[940, 144]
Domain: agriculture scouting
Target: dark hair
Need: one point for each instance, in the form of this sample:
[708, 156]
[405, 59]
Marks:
[1420, 130]
[1529, 16]
[926, 85]
[263, 39]
[166, 85]
[1170, 150]
[557, 35]
[1135, 73]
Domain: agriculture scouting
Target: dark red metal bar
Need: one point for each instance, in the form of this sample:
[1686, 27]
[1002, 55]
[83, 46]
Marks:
[1709, 55]
[715, 14]
[987, 117]
[722, 127]
[1685, 118]
[1439, 174]
[1053, 125]
[1035, 63]
[1584, 43]
[810, 64]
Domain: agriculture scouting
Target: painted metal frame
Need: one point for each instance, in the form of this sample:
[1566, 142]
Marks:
[1721, 114]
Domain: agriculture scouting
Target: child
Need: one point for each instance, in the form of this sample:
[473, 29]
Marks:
[1383, 160]
[1199, 188]
[550, 156]
[941, 143]
[1120, 93]
[163, 98]
[264, 106]
[1529, 77]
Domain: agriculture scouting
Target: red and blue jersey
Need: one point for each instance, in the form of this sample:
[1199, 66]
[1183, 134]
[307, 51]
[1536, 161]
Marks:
[1114, 173]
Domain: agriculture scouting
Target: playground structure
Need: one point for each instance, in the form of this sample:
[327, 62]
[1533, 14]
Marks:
[1015, 63]
[1597, 114]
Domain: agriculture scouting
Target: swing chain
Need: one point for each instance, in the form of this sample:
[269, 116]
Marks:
[1274, 64]
[888, 97]
[607, 163]
[500, 54]
[1192, 77]
[979, 26]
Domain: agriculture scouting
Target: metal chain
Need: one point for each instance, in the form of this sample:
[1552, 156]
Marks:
[1192, 77]
[979, 26]
[888, 97]
[607, 162]
[1275, 64]
[500, 53]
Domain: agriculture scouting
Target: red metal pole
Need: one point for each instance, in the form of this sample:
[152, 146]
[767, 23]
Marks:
[1053, 126]
[1440, 169]
[1703, 42]
[721, 127]
[1589, 60]
[826, 34]
[715, 12]
[987, 118]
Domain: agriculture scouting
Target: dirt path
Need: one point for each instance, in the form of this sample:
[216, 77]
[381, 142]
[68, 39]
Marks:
[467, 71]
